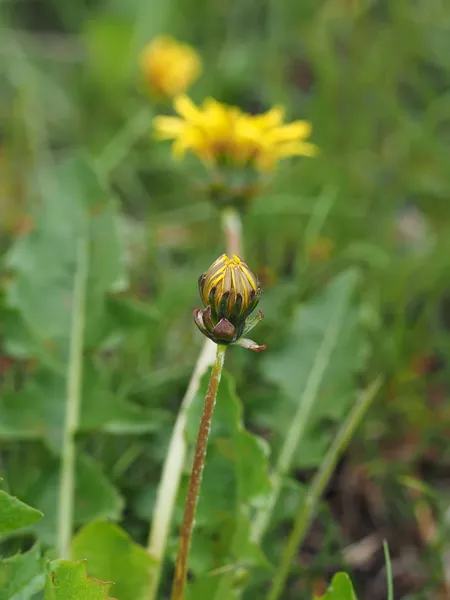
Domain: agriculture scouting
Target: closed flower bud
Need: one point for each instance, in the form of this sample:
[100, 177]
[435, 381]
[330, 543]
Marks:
[230, 292]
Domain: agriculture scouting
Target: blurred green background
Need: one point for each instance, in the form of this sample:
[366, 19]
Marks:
[364, 226]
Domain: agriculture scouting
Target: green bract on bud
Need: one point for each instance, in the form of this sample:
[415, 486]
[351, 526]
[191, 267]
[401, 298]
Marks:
[230, 293]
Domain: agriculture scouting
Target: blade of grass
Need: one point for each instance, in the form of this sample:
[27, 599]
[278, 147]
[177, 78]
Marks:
[318, 485]
[119, 147]
[390, 583]
[74, 379]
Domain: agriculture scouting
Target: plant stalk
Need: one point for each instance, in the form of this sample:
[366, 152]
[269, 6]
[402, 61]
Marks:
[74, 381]
[318, 485]
[172, 471]
[232, 225]
[176, 453]
[179, 582]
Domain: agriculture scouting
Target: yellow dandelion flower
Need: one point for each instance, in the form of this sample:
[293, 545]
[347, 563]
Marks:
[169, 67]
[217, 133]
[205, 131]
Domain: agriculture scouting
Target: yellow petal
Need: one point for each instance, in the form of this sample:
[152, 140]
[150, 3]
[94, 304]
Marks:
[297, 149]
[272, 118]
[209, 104]
[187, 109]
[245, 129]
[193, 139]
[293, 131]
[167, 128]
[179, 148]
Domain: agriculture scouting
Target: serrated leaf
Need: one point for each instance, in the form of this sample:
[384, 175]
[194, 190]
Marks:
[235, 482]
[43, 261]
[69, 581]
[341, 588]
[15, 514]
[111, 554]
[95, 497]
[21, 576]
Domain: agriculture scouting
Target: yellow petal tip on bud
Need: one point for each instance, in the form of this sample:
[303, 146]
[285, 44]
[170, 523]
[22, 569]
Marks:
[230, 292]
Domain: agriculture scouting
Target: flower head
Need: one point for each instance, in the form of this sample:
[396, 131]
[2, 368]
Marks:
[230, 292]
[169, 66]
[217, 133]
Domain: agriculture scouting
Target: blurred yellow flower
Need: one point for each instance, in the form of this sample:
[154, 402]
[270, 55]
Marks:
[169, 66]
[218, 133]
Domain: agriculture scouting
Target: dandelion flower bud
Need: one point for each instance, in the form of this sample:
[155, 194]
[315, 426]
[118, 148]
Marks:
[230, 292]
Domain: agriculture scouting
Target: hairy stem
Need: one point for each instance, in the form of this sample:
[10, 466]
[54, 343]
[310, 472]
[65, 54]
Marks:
[74, 380]
[173, 469]
[176, 453]
[318, 485]
[179, 582]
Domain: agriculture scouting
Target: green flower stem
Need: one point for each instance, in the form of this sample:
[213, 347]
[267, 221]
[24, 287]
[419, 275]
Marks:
[74, 380]
[231, 225]
[179, 582]
[176, 453]
[318, 485]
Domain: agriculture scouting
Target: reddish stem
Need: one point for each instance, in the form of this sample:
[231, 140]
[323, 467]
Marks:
[179, 582]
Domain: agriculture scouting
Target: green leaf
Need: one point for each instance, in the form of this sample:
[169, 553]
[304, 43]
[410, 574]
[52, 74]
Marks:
[95, 497]
[21, 576]
[15, 514]
[44, 260]
[112, 555]
[316, 367]
[235, 482]
[341, 588]
[22, 343]
[37, 411]
[214, 587]
[316, 371]
[69, 581]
